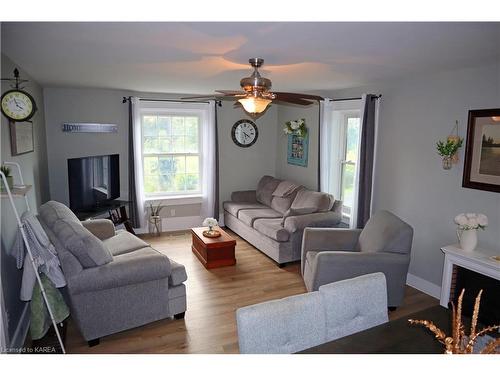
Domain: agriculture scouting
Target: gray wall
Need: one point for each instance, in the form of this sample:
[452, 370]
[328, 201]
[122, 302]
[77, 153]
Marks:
[239, 168]
[34, 169]
[307, 176]
[409, 179]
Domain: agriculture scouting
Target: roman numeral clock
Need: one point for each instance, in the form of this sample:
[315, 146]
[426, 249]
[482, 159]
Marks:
[244, 133]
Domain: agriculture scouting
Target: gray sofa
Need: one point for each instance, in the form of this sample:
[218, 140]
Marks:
[115, 281]
[300, 322]
[384, 245]
[273, 217]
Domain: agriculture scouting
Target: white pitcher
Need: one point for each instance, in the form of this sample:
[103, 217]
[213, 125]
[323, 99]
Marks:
[467, 238]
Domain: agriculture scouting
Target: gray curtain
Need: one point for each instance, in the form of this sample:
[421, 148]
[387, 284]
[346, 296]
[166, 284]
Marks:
[216, 166]
[366, 156]
[133, 207]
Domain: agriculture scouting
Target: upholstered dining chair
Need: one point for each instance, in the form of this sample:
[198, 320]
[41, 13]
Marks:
[384, 245]
[303, 321]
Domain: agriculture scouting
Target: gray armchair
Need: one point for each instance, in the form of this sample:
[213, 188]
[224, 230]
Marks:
[384, 245]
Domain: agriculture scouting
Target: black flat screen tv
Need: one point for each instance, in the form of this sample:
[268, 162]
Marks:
[94, 181]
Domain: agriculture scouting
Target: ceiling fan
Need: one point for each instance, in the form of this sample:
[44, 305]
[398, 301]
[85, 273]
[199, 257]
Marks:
[256, 94]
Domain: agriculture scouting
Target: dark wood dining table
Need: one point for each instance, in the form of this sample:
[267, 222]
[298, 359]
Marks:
[394, 337]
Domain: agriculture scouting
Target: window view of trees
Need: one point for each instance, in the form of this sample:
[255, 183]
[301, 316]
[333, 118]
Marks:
[171, 158]
[349, 163]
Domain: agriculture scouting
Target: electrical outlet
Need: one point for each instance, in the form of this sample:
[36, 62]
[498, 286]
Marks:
[172, 212]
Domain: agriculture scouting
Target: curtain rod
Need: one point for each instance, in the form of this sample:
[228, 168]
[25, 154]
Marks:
[126, 99]
[345, 99]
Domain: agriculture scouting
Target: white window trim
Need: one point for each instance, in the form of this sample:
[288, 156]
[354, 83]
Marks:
[174, 110]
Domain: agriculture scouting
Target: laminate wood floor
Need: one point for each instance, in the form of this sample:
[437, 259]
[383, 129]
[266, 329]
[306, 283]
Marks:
[212, 298]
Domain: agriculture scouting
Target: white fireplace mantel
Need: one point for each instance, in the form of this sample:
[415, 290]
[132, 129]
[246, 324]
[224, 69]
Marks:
[479, 260]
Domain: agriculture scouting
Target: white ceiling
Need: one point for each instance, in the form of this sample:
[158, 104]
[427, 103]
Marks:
[200, 57]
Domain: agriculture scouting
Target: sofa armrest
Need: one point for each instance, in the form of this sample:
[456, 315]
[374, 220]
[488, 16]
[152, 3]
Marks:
[297, 223]
[101, 228]
[136, 267]
[178, 274]
[244, 196]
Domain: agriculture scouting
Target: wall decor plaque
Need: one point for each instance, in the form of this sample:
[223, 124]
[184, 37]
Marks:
[83, 127]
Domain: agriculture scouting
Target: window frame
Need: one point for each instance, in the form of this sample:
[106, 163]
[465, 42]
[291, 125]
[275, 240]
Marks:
[346, 114]
[194, 196]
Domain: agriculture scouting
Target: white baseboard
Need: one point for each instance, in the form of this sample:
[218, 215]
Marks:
[19, 337]
[423, 285]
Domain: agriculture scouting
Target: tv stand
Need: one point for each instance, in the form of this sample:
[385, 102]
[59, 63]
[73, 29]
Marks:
[116, 210]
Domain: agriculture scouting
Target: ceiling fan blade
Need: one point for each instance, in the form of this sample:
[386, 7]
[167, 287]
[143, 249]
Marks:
[293, 100]
[297, 95]
[231, 92]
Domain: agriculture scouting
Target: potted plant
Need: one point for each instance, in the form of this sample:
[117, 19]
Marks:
[154, 218]
[448, 149]
[10, 180]
[297, 127]
[210, 222]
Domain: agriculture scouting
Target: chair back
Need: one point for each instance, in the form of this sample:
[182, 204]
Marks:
[385, 232]
[299, 322]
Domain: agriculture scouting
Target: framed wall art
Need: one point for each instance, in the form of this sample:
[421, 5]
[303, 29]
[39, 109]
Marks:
[297, 150]
[482, 152]
[21, 137]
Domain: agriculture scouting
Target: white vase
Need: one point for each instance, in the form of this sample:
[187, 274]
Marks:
[468, 239]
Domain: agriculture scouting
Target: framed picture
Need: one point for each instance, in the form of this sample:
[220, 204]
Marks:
[482, 152]
[297, 150]
[21, 137]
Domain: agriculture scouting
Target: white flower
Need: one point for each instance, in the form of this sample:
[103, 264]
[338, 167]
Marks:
[482, 220]
[461, 219]
[300, 122]
[472, 223]
[210, 222]
[294, 125]
[471, 215]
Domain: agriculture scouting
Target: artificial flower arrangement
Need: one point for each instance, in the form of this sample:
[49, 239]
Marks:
[210, 222]
[297, 127]
[471, 221]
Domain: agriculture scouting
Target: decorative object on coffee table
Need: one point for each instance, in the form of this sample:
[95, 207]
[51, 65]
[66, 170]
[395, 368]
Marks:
[213, 252]
[482, 151]
[210, 222]
[155, 219]
[458, 342]
[468, 224]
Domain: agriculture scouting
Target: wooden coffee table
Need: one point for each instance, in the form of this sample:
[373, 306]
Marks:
[213, 252]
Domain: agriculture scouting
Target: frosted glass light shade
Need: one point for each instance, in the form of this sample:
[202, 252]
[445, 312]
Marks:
[254, 105]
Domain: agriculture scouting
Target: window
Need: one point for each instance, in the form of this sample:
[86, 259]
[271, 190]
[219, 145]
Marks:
[171, 153]
[350, 132]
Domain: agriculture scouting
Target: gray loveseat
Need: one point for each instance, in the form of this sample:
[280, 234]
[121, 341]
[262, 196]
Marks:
[115, 281]
[273, 217]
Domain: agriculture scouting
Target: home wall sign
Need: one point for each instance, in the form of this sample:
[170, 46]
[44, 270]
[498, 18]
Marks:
[79, 127]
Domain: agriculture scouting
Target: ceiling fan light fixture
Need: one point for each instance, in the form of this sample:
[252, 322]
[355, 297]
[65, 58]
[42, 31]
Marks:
[254, 105]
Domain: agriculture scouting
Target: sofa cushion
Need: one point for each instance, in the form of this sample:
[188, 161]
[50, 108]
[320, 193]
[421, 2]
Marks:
[285, 189]
[53, 211]
[123, 242]
[87, 248]
[283, 204]
[306, 198]
[249, 216]
[386, 232]
[272, 228]
[265, 189]
[234, 207]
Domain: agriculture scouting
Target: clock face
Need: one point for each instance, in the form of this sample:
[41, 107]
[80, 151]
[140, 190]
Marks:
[244, 133]
[18, 105]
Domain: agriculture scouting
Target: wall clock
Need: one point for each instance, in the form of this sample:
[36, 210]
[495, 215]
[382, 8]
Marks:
[244, 133]
[18, 105]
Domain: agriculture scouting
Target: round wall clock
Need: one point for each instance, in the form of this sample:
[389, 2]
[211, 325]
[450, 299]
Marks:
[18, 105]
[244, 133]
